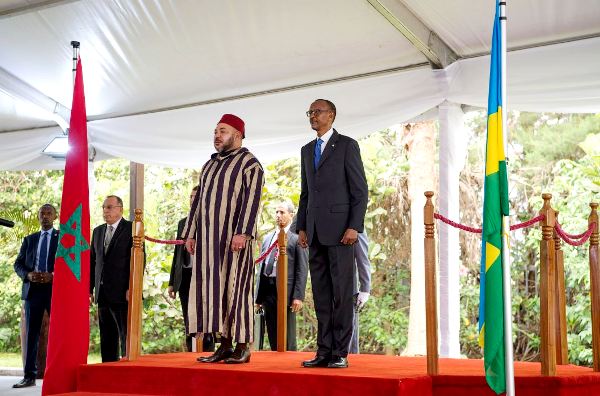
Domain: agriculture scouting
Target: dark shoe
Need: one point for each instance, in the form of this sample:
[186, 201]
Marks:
[24, 383]
[318, 361]
[208, 343]
[222, 353]
[338, 362]
[240, 355]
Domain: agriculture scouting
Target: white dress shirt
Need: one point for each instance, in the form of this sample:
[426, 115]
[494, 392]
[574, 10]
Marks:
[325, 139]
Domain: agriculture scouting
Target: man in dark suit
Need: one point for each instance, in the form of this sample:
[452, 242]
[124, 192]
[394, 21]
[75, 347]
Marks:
[179, 281]
[362, 288]
[266, 279]
[333, 202]
[109, 276]
[35, 265]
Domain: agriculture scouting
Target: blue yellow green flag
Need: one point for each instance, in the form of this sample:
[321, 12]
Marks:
[495, 205]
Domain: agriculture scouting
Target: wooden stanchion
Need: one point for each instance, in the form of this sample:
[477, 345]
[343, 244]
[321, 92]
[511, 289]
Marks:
[547, 290]
[199, 338]
[562, 351]
[595, 285]
[282, 294]
[136, 280]
[430, 288]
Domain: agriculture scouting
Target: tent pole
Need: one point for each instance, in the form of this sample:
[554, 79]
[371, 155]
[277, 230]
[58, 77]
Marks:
[136, 188]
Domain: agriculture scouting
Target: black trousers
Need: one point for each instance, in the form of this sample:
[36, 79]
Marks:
[208, 341]
[268, 298]
[355, 333]
[332, 276]
[34, 315]
[113, 330]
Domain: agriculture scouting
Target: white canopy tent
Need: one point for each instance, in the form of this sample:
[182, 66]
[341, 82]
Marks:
[158, 74]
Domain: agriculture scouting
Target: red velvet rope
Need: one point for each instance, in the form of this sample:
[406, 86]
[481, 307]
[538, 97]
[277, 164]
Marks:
[166, 242]
[527, 223]
[572, 236]
[182, 242]
[478, 230]
[457, 225]
[266, 254]
[586, 235]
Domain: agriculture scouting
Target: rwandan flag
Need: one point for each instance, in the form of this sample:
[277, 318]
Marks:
[495, 205]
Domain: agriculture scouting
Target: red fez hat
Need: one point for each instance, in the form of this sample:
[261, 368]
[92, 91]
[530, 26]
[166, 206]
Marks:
[234, 121]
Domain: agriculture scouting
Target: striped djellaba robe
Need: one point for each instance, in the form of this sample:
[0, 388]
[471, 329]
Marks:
[226, 203]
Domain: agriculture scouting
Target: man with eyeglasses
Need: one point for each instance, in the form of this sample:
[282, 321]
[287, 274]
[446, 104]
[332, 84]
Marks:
[333, 202]
[109, 277]
[266, 278]
[179, 281]
[35, 265]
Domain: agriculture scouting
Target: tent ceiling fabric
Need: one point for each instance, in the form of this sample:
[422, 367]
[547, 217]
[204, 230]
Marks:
[143, 56]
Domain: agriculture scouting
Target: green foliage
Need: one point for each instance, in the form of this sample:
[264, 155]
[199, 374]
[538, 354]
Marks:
[553, 153]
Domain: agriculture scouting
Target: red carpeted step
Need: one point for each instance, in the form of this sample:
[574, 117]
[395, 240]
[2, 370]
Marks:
[269, 373]
[273, 373]
[94, 394]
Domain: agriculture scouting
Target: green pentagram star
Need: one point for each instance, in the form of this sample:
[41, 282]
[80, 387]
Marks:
[72, 255]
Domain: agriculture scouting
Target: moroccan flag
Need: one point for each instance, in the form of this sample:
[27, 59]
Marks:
[68, 336]
[495, 205]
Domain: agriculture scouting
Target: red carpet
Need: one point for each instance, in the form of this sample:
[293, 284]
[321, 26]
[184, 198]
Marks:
[274, 374]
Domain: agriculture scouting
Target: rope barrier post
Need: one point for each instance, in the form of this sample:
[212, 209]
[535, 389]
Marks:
[547, 290]
[430, 288]
[136, 280]
[595, 284]
[282, 294]
[562, 351]
[199, 342]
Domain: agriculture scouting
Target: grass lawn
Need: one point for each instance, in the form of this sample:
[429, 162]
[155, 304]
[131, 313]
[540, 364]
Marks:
[8, 359]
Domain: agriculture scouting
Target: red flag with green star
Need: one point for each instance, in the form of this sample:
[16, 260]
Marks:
[68, 336]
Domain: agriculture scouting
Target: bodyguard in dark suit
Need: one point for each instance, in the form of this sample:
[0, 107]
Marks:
[109, 277]
[35, 265]
[333, 202]
[179, 281]
[362, 288]
[266, 278]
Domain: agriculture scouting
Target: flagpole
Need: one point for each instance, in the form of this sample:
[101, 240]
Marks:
[75, 45]
[506, 286]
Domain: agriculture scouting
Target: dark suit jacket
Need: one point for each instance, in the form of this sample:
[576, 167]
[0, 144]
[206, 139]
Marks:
[110, 271]
[181, 258]
[363, 264]
[297, 267]
[334, 197]
[25, 263]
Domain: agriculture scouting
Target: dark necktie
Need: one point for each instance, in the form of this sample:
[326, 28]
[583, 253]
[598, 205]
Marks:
[43, 262]
[272, 257]
[318, 152]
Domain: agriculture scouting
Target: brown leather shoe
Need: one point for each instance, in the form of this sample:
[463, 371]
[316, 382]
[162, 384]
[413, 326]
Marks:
[221, 353]
[240, 355]
[24, 383]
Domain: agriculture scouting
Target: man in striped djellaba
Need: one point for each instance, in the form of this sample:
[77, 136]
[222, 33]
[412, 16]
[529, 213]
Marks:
[219, 231]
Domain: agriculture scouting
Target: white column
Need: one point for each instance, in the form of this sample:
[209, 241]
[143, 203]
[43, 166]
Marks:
[453, 149]
[421, 178]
